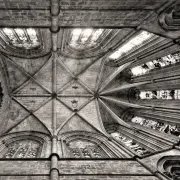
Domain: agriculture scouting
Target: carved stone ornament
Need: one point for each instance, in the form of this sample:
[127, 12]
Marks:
[170, 18]
[170, 166]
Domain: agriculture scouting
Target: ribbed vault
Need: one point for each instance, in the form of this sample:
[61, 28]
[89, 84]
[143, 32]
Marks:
[89, 89]
[58, 93]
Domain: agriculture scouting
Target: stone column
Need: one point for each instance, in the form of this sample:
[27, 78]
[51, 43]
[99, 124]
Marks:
[54, 173]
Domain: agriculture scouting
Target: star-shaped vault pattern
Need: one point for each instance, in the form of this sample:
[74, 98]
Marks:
[62, 95]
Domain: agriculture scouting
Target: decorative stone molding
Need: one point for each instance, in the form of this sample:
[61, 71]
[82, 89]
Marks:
[170, 166]
[109, 148]
[170, 18]
[133, 95]
[40, 138]
[42, 50]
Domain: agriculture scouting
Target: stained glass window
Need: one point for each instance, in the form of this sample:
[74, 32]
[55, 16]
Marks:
[83, 38]
[23, 149]
[20, 38]
[155, 64]
[177, 94]
[160, 94]
[91, 151]
[85, 152]
[82, 149]
[97, 152]
[131, 144]
[132, 44]
[159, 126]
[76, 152]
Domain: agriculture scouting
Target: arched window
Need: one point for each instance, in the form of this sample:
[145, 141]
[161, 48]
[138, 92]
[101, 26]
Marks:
[85, 38]
[160, 94]
[159, 126]
[23, 149]
[84, 149]
[138, 149]
[155, 64]
[20, 38]
[138, 40]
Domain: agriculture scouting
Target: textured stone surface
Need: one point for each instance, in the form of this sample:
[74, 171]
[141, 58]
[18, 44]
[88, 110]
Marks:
[33, 89]
[27, 4]
[24, 178]
[152, 160]
[83, 4]
[24, 167]
[108, 177]
[79, 177]
[113, 4]
[94, 18]
[101, 167]
[25, 18]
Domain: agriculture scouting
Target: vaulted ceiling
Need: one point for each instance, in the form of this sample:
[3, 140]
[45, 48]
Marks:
[59, 60]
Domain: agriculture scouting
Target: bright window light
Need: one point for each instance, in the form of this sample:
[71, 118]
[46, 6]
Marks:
[22, 38]
[84, 38]
[133, 43]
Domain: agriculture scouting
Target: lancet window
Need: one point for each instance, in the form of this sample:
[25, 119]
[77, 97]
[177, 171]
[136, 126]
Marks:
[160, 94]
[134, 43]
[159, 126]
[138, 149]
[155, 64]
[23, 149]
[86, 150]
[20, 38]
[84, 38]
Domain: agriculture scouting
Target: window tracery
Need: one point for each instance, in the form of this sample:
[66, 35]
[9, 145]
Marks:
[159, 126]
[92, 151]
[20, 38]
[85, 38]
[23, 149]
[160, 94]
[80, 149]
[138, 149]
[132, 44]
[85, 152]
[155, 64]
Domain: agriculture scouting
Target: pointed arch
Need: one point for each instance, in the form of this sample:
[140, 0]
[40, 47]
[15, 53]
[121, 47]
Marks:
[25, 145]
[88, 139]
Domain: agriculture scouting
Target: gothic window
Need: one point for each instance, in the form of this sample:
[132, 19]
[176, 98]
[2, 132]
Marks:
[138, 149]
[97, 152]
[132, 44]
[76, 152]
[80, 149]
[85, 152]
[20, 38]
[146, 95]
[155, 64]
[161, 94]
[139, 70]
[84, 38]
[92, 151]
[159, 126]
[23, 149]
[177, 94]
